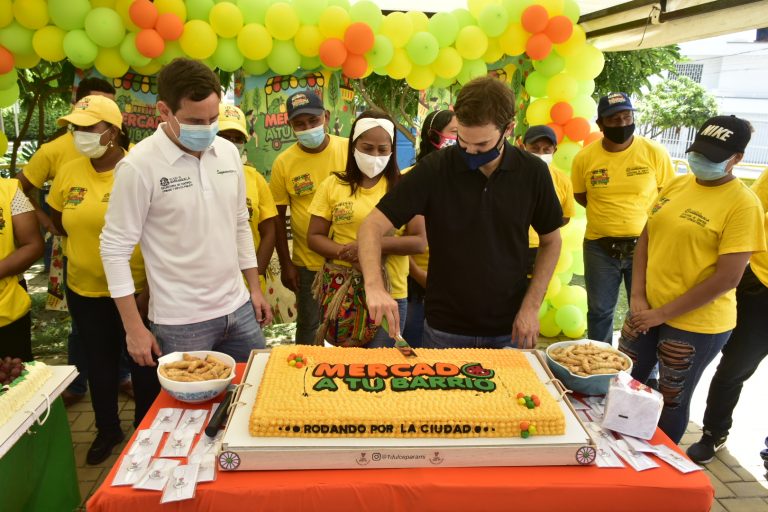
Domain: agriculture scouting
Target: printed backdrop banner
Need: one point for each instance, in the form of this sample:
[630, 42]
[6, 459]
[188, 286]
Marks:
[262, 99]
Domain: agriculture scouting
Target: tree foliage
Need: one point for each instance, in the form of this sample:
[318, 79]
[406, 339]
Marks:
[630, 71]
[675, 103]
[392, 96]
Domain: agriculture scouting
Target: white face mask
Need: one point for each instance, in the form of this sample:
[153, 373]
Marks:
[371, 165]
[547, 157]
[89, 144]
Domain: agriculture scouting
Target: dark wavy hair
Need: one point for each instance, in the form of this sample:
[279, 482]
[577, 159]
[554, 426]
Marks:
[434, 123]
[352, 174]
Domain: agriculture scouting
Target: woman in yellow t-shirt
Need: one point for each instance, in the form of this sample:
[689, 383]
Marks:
[701, 231]
[20, 246]
[79, 198]
[345, 198]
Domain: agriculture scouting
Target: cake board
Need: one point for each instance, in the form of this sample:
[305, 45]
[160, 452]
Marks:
[37, 406]
[242, 452]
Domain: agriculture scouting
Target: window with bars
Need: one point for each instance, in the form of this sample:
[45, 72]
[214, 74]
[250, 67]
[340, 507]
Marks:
[692, 71]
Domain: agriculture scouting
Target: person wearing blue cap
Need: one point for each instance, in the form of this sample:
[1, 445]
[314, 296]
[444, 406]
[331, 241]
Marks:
[616, 179]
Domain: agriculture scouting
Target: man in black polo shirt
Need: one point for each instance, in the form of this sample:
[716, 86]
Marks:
[478, 198]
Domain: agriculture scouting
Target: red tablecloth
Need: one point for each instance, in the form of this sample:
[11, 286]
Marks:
[560, 488]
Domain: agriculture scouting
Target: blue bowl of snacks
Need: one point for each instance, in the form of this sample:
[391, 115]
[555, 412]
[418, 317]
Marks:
[586, 366]
[197, 376]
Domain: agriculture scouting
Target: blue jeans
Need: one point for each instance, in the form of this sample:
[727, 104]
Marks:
[381, 338]
[602, 277]
[440, 339]
[235, 334]
[413, 331]
[308, 309]
[682, 357]
[743, 353]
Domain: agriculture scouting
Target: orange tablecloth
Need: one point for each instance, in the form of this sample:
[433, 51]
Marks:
[560, 488]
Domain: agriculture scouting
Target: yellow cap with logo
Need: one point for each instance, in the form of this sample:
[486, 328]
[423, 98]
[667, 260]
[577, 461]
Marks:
[92, 109]
[232, 118]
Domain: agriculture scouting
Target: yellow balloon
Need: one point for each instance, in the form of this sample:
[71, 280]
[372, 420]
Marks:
[513, 40]
[476, 7]
[48, 43]
[26, 61]
[562, 87]
[553, 288]
[494, 51]
[400, 65]
[585, 64]
[226, 19]
[198, 40]
[282, 21]
[420, 77]
[448, 63]
[563, 263]
[3, 143]
[122, 6]
[553, 7]
[573, 44]
[6, 13]
[548, 326]
[150, 69]
[31, 13]
[471, 42]
[397, 27]
[110, 63]
[577, 332]
[307, 40]
[334, 22]
[538, 112]
[419, 20]
[177, 7]
[109, 4]
[254, 41]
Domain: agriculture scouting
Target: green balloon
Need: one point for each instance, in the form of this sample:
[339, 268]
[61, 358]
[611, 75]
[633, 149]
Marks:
[310, 63]
[569, 317]
[563, 159]
[515, 8]
[130, 54]
[536, 84]
[551, 65]
[463, 17]
[69, 14]
[255, 67]
[584, 106]
[422, 48]
[543, 309]
[253, 11]
[104, 27]
[344, 4]
[565, 278]
[199, 9]
[284, 59]
[172, 51]
[227, 56]
[493, 20]
[367, 12]
[17, 39]
[442, 83]
[309, 11]
[381, 53]
[8, 79]
[9, 96]
[586, 87]
[471, 69]
[80, 50]
[571, 10]
[444, 26]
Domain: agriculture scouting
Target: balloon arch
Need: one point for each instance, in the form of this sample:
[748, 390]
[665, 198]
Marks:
[537, 41]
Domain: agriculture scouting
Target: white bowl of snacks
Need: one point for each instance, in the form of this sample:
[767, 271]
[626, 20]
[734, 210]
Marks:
[586, 366]
[197, 376]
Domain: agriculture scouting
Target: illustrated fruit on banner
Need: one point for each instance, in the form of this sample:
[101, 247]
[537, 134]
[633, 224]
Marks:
[3, 143]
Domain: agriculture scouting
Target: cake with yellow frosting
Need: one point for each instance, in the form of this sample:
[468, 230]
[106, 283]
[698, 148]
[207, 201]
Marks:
[313, 391]
[23, 386]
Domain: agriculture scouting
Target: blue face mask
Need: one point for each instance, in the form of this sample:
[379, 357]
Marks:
[705, 169]
[196, 137]
[477, 160]
[311, 138]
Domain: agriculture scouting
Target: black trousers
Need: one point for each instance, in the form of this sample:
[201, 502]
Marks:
[101, 331]
[16, 338]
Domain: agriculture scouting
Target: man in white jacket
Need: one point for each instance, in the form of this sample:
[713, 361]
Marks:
[180, 195]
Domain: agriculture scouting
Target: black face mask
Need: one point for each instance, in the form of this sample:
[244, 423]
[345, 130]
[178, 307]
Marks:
[477, 160]
[619, 134]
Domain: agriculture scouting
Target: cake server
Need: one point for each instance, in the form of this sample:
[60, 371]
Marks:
[217, 419]
[400, 343]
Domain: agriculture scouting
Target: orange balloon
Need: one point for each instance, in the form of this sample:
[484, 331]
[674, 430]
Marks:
[358, 38]
[333, 53]
[577, 129]
[149, 43]
[558, 131]
[6, 61]
[559, 29]
[592, 137]
[355, 66]
[169, 26]
[538, 46]
[534, 19]
[561, 112]
[143, 13]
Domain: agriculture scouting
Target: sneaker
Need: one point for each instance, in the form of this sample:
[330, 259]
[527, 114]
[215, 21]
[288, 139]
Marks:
[704, 450]
[101, 448]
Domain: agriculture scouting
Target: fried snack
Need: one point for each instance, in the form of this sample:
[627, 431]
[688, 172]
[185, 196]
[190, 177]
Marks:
[195, 369]
[589, 359]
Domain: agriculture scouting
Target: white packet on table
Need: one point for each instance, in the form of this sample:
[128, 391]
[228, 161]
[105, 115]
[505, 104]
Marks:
[208, 444]
[131, 468]
[674, 459]
[178, 443]
[639, 461]
[156, 475]
[193, 419]
[207, 469]
[146, 442]
[606, 457]
[631, 407]
[166, 419]
[181, 485]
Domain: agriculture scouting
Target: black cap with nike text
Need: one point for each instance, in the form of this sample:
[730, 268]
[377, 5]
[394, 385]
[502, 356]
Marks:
[721, 137]
[304, 102]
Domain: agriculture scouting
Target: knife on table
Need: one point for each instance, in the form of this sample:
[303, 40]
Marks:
[218, 418]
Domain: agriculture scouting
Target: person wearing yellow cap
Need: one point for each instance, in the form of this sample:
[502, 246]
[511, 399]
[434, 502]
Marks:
[20, 246]
[79, 197]
[261, 206]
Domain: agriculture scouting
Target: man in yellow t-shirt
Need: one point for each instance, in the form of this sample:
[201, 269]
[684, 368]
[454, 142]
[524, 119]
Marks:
[541, 141]
[616, 179]
[257, 195]
[296, 174]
